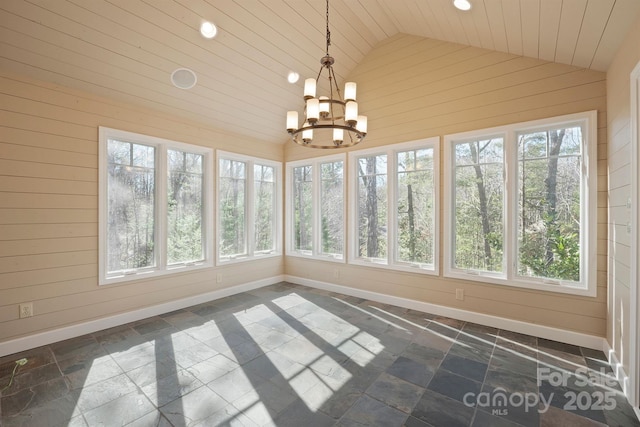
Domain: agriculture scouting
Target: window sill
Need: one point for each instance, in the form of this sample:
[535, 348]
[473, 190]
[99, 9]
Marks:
[541, 285]
[245, 258]
[149, 274]
[407, 268]
[305, 255]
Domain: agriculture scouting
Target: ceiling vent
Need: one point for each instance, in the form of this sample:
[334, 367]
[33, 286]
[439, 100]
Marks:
[183, 78]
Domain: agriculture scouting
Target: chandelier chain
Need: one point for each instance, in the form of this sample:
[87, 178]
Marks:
[328, 32]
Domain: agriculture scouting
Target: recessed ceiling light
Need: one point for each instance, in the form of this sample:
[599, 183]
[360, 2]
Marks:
[208, 30]
[293, 77]
[462, 4]
[183, 78]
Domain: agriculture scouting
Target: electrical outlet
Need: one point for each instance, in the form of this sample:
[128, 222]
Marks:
[219, 278]
[26, 310]
[460, 294]
[336, 274]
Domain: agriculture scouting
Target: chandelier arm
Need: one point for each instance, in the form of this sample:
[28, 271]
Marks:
[327, 126]
[331, 112]
[354, 135]
[335, 82]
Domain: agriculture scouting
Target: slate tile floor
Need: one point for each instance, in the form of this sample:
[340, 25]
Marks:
[287, 355]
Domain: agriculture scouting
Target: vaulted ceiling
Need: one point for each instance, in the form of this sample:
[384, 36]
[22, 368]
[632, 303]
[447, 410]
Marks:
[127, 49]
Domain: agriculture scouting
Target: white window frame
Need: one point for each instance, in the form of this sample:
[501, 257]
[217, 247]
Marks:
[161, 172]
[251, 253]
[588, 235]
[316, 217]
[391, 152]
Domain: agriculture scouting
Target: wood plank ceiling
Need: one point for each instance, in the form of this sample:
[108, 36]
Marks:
[127, 49]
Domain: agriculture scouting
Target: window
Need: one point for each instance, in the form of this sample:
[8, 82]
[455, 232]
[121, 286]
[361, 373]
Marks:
[249, 199]
[523, 203]
[302, 198]
[394, 208]
[415, 208]
[232, 184]
[371, 209]
[315, 208]
[332, 209]
[479, 201]
[149, 225]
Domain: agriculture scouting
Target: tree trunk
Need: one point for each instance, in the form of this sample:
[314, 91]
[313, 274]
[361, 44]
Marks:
[412, 227]
[551, 184]
[372, 208]
[484, 208]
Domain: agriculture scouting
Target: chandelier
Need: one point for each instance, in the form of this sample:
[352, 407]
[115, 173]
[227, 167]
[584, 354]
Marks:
[329, 121]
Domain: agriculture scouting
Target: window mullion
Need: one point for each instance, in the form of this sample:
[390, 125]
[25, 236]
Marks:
[289, 211]
[316, 204]
[208, 204]
[352, 202]
[249, 210]
[162, 175]
[392, 207]
[510, 201]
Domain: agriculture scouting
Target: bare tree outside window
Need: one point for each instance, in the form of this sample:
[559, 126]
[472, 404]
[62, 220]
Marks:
[303, 208]
[232, 187]
[372, 207]
[549, 178]
[479, 201]
[184, 207]
[332, 208]
[415, 207]
[130, 206]
[265, 207]
[154, 218]
[524, 200]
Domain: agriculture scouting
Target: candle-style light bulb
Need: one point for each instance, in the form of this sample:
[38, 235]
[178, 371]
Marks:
[309, 88]
[349, 91]
[292, 120]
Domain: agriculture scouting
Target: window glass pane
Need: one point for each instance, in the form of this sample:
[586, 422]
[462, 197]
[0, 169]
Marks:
[332, 208]
[143, 156]
[302, 208]
[184, 207]
[119, 152]
[372, 207]
[130, 206]
[232, 187]
[532, 146]
[415, 207]
[549, 204]
[265, 205]
[478, 198]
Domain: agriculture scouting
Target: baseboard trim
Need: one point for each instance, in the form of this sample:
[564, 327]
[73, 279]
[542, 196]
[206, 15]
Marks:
[55, 335]
[620, 373]
[562, 335]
